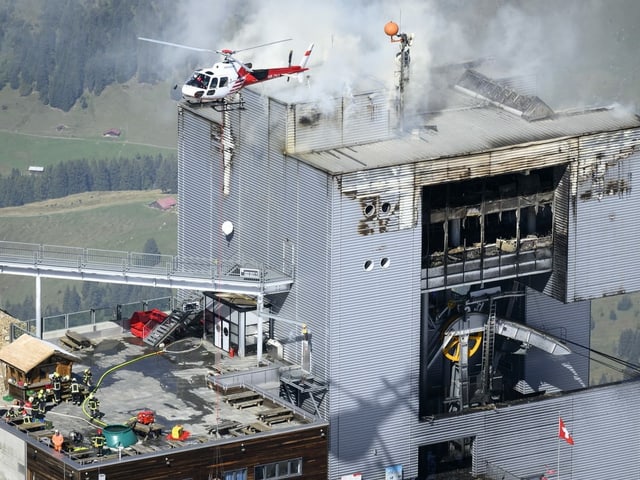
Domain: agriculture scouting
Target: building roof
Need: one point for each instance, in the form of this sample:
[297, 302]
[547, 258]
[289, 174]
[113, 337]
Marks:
[27, 352]
[189, 384]
[461, 131]
[167, 202]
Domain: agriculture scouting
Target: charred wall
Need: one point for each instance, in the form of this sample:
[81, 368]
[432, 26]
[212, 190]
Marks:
[489, 227]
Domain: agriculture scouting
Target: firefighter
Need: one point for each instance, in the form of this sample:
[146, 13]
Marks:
[35, 407]
[28, 405]
[94, 406]
[25, 412]
[98, 441]
[14, 412]
[57, 439]
[57, 387]
[76, 395]
[86, 378]
[41, 409]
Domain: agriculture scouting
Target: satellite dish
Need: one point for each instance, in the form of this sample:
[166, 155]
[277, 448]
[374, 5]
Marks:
[227, 228]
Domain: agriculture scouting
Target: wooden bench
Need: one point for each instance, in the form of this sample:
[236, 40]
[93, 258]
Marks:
[68, 343]
[222, 427]
[285, 417]
[31, 426]
[241, 397]
[272, 412]
[255, 402]
[80, 340]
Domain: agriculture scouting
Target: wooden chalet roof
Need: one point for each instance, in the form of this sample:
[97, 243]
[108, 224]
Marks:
[27, 352]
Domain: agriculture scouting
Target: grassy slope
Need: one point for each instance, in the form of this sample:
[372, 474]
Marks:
[109, 220]
[34, 134]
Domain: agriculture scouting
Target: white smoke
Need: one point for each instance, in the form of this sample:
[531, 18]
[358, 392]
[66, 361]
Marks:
[579, 51]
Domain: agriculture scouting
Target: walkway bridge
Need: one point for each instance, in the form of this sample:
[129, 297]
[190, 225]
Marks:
[151, 270]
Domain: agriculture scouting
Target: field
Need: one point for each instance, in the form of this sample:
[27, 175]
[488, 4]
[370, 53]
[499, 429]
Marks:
[609, 321]
[34, 134]
[110, 220]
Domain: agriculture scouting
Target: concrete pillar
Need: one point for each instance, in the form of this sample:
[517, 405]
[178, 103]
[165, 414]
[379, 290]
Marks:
[38, 307]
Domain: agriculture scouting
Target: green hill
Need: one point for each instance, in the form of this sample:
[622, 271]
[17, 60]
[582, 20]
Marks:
[109, 220]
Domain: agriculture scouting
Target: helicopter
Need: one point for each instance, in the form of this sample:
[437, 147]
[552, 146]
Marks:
[220, 82]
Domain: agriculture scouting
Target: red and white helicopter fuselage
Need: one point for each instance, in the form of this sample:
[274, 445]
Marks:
[226, 78]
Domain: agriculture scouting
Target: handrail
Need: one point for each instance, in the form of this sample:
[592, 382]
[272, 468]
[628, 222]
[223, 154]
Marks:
[112, 266]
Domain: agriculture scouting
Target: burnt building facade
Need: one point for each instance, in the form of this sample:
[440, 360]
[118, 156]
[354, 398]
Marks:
[443, 276]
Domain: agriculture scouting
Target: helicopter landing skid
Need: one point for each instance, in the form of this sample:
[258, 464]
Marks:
[226, 106]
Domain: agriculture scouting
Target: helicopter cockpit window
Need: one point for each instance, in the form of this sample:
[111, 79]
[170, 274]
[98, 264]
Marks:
[199, 80]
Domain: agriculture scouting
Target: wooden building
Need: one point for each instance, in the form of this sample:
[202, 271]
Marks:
[300, 452]
[29, 362]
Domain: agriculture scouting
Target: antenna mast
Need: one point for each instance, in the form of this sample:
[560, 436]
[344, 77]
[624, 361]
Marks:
[403, 59]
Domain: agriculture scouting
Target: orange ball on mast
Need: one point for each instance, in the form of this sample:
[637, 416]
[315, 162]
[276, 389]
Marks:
[391, 28]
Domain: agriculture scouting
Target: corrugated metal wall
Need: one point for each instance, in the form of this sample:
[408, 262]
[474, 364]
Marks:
[336, 122]
[281, 208]
[358, 288]
[556, 286]
[604, 234]
[545, 372]
[496, 162]
[375, 332]
[523, 439]
[197, 169]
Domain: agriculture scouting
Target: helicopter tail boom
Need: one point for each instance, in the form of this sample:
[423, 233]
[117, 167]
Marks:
[305, 57]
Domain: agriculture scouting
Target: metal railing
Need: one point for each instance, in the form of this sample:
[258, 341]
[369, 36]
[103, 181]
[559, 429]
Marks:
[112, 266]
[92, 318]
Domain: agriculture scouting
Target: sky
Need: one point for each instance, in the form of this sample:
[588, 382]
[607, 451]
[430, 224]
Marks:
[576, 52]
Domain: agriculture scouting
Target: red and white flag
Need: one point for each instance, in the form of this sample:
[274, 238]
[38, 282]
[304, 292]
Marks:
[564, 434]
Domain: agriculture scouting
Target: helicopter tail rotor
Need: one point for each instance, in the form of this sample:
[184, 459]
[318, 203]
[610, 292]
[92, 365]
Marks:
[289, 63]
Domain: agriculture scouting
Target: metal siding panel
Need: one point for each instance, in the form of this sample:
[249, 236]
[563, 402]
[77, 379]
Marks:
[564, 321]
[283, 214]
[337, 122]
[374, 344]
[557, 285]
[604, 217]
[523, 438]
[195, 164]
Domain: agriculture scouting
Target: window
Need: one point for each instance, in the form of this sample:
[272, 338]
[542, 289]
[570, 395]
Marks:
[284, 469]
[235, 474]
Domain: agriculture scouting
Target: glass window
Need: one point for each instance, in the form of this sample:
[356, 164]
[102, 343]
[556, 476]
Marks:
[235, 474]
[284, 469]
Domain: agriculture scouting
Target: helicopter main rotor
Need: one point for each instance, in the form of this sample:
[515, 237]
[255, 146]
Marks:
[226, 53]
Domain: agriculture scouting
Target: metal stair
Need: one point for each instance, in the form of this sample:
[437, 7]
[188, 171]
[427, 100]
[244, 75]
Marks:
[174, 320]
[488, 347]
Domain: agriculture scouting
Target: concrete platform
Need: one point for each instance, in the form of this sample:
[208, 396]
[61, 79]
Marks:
[175, 383]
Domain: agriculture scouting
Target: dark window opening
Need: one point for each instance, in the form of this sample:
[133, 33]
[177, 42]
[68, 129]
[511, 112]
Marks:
[446, 459]
[492, 213]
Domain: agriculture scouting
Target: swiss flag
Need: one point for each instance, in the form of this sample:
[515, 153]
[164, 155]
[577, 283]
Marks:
[564, 434]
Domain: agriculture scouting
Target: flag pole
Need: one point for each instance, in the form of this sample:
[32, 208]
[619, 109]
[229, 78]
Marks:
[558, 442]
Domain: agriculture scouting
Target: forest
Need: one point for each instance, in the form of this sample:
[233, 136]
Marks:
[64, 49]
[78, 176]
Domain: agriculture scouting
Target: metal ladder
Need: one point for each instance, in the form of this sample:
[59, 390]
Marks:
[168, 326]
[488, 346]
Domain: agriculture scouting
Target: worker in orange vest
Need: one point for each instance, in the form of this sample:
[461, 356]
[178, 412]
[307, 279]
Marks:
[57, 439]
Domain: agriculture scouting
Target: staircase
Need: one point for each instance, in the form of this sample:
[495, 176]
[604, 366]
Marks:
[176, 319]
